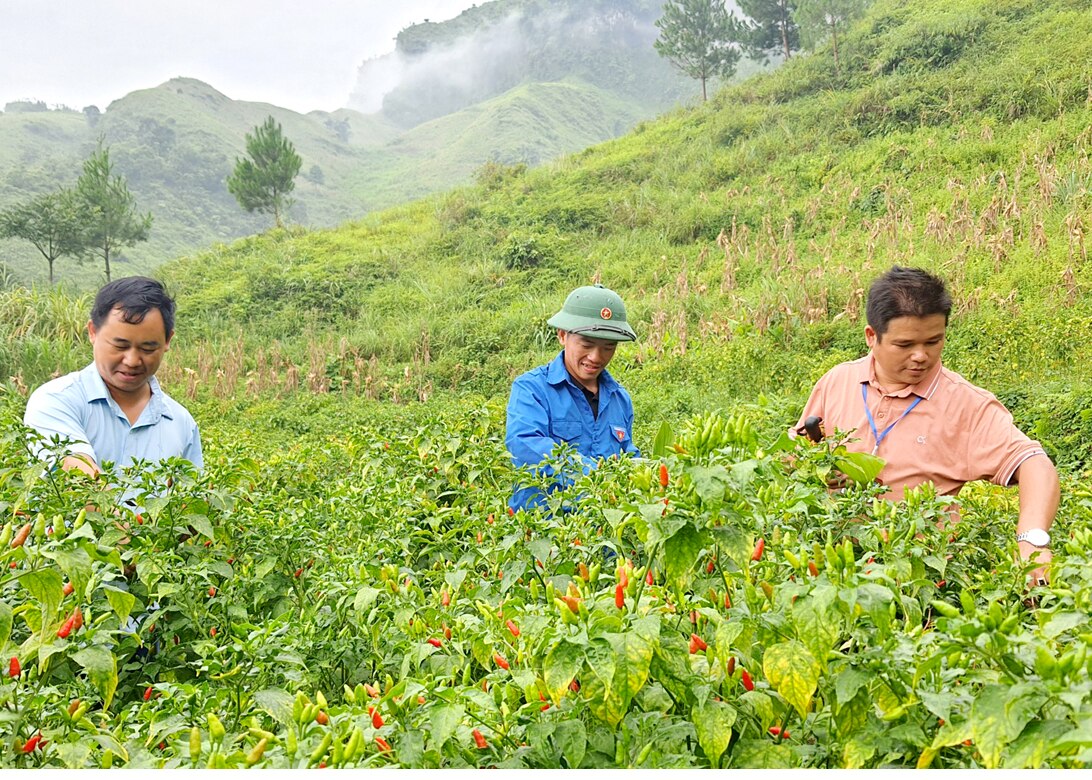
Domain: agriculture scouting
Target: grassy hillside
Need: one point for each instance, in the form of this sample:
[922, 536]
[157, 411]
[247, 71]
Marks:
[742, 234]
[176, 143]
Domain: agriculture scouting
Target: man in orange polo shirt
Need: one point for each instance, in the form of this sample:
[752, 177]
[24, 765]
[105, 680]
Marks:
[930, 424]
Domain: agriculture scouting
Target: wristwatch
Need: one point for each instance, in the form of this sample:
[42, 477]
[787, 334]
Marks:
[1036, 537]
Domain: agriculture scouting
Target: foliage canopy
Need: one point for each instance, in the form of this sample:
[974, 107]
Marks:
[263, 181]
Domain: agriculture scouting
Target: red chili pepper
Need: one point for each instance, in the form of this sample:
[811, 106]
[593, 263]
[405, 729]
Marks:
[14, 667]
[73, 706]
[813, 570]
[727, 600]
[731, 665]
[435, 642]
[212, 631]
[322, 718]
[377, 719]
[20, 539]
[748, 683]
[648, 578]
[447, 631]
[489, 519]
[67, 589]
[479, 537]
[140, 519]
[512, 627]
[445, 598]
[697, 644]
[574, 686]
[383, 745]
[582, 570]
[777, 732]
[759, 547]
[511, 511]
[372, 690]
[212, 593]
[298, 573]
[619, 596]
[479, 740]
[77, 619]
[500, 661]
[712, 565]
[66, 629]
[33, 743]
[663, 475]
[148, 693]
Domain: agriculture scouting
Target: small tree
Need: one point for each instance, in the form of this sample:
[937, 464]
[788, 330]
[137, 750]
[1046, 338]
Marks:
[262, 182]
[108, 209]
[699, 38]
[820, 19]
[770, 28]
[51, 222]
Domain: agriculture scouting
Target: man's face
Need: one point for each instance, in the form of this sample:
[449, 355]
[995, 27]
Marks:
[128, 354]
[908, 351]
[585, 358]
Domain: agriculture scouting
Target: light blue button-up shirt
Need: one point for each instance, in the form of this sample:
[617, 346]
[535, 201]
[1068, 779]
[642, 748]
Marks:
[79, 407]
[547, 407]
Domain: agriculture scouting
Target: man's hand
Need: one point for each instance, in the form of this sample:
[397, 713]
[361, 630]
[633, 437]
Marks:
[81, 463]
[1041, 574]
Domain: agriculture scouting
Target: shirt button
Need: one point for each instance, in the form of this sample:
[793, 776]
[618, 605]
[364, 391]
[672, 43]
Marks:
[881, 415]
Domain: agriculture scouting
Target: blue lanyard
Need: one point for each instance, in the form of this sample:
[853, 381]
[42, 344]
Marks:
[879, 437]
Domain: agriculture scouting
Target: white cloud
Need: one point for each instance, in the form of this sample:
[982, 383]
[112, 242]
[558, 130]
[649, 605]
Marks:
[302, 56]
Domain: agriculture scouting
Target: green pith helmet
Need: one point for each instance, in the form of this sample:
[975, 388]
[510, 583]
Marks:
[595, 312]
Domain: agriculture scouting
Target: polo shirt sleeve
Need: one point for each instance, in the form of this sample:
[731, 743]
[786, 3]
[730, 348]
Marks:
[192, 451]
[995, 446]
[59, 414]
[628, 445]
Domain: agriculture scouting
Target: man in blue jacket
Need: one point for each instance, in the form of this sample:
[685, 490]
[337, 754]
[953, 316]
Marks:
[573, 400]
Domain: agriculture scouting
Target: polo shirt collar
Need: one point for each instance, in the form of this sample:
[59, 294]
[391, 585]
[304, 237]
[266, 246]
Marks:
[96, 390]
[925, 389]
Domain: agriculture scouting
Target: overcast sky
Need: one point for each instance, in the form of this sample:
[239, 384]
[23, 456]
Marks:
[300, 55]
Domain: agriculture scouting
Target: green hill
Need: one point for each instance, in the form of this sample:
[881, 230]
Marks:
[176, 143]
[741, 233]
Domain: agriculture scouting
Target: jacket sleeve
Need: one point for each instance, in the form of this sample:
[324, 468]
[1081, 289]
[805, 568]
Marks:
[527, 430]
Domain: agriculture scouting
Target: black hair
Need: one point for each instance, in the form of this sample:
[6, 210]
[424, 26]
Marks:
[906, 292]
[135, 296]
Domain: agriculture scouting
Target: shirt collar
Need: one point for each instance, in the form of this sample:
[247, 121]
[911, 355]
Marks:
[923, 389]
[557, 374]
[95, 387]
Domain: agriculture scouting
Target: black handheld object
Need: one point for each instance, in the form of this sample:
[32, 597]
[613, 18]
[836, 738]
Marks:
[813, 427]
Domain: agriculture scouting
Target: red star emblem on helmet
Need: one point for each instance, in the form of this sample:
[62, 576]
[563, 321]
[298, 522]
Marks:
[606, 313]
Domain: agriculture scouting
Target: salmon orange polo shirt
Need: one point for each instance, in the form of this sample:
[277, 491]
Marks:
[942, 430]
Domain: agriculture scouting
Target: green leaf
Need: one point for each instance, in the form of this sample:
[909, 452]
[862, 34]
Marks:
[102, 671]
[560, 667]
[761, 754]
[710, 482]
[571, 738]
[713, 721]
[861, 467]
[681, 553]
[444, 720]
[818, 622]
[604, 702]
[998, 715]
[201, 524]
[665, 437]
[264, 568]
[5, 623]
[76, 563]
[857, 753]
[1036, 744]
[46, 587]
[121, 602]
[633, 654]
[365, 597]
[601, 659]
[661, 526]
[793, 672]
[277, 703]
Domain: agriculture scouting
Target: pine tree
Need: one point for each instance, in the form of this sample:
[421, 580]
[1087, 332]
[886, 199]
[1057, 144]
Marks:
[107, 209]
[51, 222]
[699, 38]
[771, 28]
[263, 181]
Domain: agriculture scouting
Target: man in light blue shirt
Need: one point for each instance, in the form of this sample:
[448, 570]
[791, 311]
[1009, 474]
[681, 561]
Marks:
[114, 409]
[572, 399]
